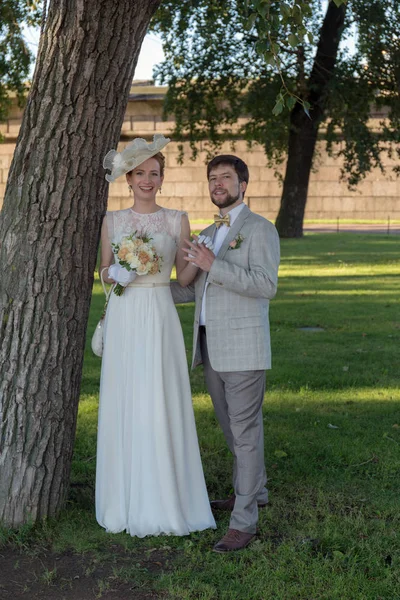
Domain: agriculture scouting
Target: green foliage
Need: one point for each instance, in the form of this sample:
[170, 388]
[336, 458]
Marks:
[15, 56]
[367, 82]
[226, 59]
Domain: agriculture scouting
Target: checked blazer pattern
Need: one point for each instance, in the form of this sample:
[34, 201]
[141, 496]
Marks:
[241, 283]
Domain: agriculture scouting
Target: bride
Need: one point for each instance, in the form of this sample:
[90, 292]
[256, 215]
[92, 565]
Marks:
[149, 477]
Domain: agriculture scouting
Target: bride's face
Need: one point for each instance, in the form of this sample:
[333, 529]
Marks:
[145, 180]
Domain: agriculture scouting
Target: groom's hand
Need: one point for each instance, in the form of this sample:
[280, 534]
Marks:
[198, 254]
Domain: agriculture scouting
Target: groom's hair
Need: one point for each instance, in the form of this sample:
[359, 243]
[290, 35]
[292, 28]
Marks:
[233, 161]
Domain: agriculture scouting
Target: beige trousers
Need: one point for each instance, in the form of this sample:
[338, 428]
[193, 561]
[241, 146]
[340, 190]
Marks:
[237, 398]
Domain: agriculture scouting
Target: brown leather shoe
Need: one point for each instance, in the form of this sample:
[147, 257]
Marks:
[229, 503]
[234, 540]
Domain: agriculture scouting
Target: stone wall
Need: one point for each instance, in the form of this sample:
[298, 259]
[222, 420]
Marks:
[185, 186]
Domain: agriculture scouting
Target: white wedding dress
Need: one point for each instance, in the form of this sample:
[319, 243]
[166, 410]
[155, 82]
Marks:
[149, 477]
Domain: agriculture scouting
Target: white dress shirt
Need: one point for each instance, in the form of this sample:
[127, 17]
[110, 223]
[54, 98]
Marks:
[219, 237]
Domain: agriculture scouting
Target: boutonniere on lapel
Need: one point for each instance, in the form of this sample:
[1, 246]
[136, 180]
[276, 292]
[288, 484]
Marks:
[236, 243]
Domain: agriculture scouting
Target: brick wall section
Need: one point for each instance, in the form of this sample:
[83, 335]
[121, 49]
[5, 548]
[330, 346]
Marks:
[6, 154]
[185, 186]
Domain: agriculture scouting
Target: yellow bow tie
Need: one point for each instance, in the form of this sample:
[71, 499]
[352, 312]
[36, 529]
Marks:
[222, 221]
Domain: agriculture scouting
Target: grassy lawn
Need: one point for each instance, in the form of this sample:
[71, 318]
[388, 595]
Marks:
[332, 448]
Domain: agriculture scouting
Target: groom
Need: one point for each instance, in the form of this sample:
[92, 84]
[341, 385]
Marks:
[231, 335]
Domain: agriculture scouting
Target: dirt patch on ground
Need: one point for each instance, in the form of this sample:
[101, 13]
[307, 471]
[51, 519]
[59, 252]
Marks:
[48, 576]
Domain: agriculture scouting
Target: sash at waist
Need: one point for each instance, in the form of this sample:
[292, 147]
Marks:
[148, 284]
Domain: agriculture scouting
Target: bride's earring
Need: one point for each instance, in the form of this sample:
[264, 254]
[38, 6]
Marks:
[159, 190]
[130, 188]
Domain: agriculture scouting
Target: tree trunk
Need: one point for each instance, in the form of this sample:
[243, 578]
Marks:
[53, 207]
[304, 130]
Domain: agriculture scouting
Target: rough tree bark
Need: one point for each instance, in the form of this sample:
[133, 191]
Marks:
[304, 130]
[50, 223]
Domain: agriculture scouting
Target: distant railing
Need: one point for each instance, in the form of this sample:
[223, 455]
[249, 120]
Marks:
[130, 120]
[131, 123]
[154, 123]
[9, 126]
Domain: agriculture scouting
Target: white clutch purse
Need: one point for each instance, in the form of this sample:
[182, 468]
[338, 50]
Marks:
[98, 337]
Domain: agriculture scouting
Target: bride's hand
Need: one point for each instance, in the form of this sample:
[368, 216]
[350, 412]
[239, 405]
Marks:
[199, 255]
[206, 241]
[121, 275]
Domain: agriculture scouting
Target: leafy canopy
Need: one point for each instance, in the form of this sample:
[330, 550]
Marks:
[235, 69]
[15, 56]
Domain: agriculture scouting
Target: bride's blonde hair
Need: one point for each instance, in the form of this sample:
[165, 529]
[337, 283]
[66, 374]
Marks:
[160, 158]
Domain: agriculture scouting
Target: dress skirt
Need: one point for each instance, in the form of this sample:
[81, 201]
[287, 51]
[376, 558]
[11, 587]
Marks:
[149, 478]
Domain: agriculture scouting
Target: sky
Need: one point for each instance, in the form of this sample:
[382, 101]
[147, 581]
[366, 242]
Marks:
[150, 55]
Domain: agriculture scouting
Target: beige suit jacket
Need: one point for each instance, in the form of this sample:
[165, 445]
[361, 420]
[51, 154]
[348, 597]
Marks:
[241, 283]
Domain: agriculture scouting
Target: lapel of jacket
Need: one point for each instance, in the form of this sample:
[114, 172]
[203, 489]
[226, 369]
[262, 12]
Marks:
[234, 230]
[210, 230]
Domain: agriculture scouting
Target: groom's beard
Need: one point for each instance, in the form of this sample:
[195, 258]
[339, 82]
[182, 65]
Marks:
[228, 201]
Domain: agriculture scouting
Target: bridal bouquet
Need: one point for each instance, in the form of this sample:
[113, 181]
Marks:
[136, 253]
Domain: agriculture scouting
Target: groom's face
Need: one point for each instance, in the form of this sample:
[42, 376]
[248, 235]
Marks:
[225, 188]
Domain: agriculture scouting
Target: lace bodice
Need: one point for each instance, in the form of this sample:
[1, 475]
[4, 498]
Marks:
[163, 226]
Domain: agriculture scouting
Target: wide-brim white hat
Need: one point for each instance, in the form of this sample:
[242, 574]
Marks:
[132, 155]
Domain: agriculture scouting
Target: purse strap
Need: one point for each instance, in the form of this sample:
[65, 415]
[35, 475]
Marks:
[106, 293]
[103, 285]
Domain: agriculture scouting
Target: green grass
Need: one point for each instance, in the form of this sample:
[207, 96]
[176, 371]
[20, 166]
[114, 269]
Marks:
[332, 446]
